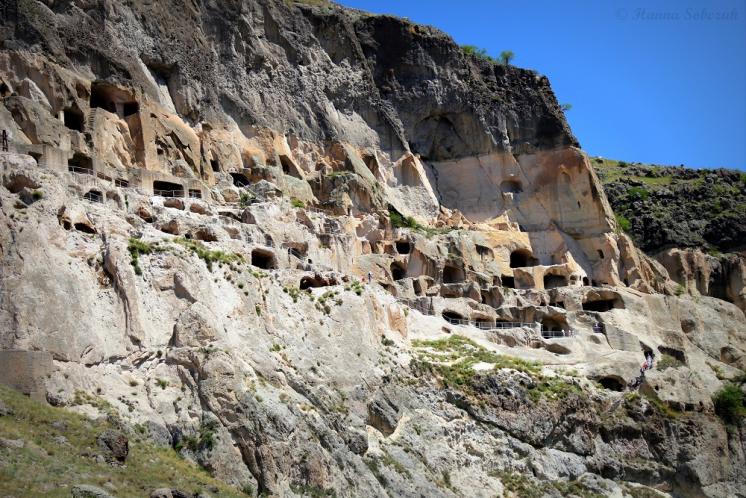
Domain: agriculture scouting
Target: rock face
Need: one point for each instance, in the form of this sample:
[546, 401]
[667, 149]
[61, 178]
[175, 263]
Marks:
[320, 251]
[675, 213]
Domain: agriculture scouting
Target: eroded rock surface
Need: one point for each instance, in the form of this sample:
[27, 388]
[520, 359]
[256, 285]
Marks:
[316, 250]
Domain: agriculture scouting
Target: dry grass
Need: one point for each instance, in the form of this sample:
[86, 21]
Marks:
[45, 467]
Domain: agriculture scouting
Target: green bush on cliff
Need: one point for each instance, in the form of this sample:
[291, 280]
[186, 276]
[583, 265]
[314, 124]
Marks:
[623, 223]
[474, 51]
[729, 403]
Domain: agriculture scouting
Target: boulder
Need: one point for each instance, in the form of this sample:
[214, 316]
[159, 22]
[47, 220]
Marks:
[89, 491]
[115, 446]
[195, 327]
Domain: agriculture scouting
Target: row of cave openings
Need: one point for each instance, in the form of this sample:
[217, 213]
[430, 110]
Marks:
[520, 258]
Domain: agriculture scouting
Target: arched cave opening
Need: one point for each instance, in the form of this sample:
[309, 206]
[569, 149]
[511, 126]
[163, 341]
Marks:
[398, 270]
[612, 383]
[93, 196]
[264, 259]
[521, 258]
[511, 186]
[80, 163]
[508, 281]
[403, 246]
[452, 317]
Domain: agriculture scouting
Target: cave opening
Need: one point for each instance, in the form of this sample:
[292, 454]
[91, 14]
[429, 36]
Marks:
[94, 196]
[80, 163]
[240, 180]
[453, 274]
[74, 118]
[403, 246]
[602, 305]
[398, 271]
[511, 186]
[264, 259]
[612, 383]
[508, 281]
[452, 317]
[167, 189]
[521, 258]
[554, 281]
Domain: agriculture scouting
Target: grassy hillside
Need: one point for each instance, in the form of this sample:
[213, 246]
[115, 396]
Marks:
[50, 466]
[674, 206]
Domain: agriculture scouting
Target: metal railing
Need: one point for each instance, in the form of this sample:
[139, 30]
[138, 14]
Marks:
[555, 334]
[168, 193]
[81, 171]
[479, 324]
[93, 196]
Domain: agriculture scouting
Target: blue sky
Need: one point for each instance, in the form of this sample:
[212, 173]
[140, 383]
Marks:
[651, 81]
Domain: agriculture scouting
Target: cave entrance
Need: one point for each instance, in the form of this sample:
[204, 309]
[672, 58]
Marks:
[80, 163]
[508, 282]
[289, 167]
[215, 165]
[240, 180]
[403, 246]
[511, 186]
[485, 252]
[552, 327]
[74, 118]
[521, 258]
[93, 196]
[554, 281]
[264, 259]
[167, 189]
[311, 282]
[602, 305]
[612, 383]
[398, 270]
[452, 317]
[453, 274]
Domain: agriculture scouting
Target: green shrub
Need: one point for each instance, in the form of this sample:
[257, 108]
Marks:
[668, 361]
[297, 203]
[506, 56]
[729, 403]
[208, 256]
[136, 248]
[638, 193]
[680, 289]
[246, 199]
[474, 51]
[623, 223]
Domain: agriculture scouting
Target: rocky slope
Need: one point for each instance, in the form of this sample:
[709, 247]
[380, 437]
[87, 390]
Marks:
[669, 206]
[363, 262]
[692, 221]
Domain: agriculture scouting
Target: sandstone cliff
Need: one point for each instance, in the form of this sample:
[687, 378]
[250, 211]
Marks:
[366, 263]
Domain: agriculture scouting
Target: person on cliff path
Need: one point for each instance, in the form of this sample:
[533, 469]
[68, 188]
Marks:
[370, 277]
[649, 357]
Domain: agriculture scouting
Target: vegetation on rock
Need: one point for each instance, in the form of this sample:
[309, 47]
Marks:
[673, 206]
[57, 453]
